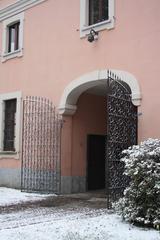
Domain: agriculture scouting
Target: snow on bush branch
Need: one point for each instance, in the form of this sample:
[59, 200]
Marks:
[141, 201]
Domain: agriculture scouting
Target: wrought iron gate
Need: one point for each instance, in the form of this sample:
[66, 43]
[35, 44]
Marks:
[121, 133]
[40, 171]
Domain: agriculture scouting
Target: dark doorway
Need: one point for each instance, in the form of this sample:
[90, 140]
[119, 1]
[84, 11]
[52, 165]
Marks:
[96, 162]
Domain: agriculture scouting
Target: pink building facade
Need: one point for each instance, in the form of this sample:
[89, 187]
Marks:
[45, 51]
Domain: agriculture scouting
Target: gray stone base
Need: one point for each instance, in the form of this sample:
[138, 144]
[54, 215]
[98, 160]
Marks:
[73, 184]
[10, 177]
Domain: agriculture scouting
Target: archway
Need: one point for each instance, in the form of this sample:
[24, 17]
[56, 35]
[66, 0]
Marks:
[96, 78]
[96, 83]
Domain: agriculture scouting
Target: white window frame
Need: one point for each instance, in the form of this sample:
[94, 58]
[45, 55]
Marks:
[6, 23]
[84, 18]
[3, 98]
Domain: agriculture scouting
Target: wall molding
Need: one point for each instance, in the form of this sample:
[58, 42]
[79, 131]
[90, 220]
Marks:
[7, 96]
[69, 98]
[17, 7]
[84, 17]
[18, 53]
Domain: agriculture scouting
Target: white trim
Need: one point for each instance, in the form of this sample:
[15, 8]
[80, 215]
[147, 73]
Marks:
[17, 7]
[72, 92]
[84, 12]
[3, 97]
[18, 53]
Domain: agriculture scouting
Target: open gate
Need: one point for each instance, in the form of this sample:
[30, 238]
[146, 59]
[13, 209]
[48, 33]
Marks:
[121, 133]
[40, 170]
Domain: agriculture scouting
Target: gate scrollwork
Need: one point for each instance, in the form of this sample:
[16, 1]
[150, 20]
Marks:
[40, 170]
[121, 133]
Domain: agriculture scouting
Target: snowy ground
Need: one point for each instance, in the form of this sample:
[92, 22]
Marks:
[72, 221]
[10, 196]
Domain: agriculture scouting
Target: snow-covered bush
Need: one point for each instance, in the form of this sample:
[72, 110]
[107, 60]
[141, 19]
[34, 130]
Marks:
[141, 201]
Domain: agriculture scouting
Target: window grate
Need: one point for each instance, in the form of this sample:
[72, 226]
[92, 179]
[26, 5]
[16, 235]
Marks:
[98, 11]
[9, 125]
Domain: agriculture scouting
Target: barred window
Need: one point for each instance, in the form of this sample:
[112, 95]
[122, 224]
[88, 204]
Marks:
[98, 11]
[9, 124]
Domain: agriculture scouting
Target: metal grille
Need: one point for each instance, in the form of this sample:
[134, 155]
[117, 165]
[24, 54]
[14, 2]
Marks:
[40, 146]
[121, 133]
[9, 125]
[98, 11]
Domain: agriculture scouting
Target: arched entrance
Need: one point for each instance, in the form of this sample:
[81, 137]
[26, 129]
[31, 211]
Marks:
[122, 94]
[97, 78]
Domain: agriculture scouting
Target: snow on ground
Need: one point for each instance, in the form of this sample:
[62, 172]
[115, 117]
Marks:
[66, 225]
[10, 196]
[72, 222]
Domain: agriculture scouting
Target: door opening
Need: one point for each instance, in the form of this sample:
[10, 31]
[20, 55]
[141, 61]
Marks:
[96, 162]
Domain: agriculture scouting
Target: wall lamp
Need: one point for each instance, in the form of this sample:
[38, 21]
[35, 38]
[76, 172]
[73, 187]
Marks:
[93, 35]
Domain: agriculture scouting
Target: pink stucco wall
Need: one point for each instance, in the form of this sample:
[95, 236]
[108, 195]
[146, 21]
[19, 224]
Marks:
[10, 163]
[54, 55]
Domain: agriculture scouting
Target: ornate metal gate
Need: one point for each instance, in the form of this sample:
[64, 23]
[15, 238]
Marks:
[40, 171]
[121, 133]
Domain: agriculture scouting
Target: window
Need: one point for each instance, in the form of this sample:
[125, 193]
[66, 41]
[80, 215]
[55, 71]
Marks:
[98, 11]
[9, 124]
[12, 37]
[97, 14]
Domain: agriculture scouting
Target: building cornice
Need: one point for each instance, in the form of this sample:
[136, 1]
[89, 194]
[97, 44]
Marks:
[17, 7]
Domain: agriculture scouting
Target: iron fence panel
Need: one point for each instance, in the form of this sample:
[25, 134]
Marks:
[121, 133]
[40, 170]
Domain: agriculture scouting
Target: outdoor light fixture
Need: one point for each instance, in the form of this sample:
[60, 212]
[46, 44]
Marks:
[93, 35]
